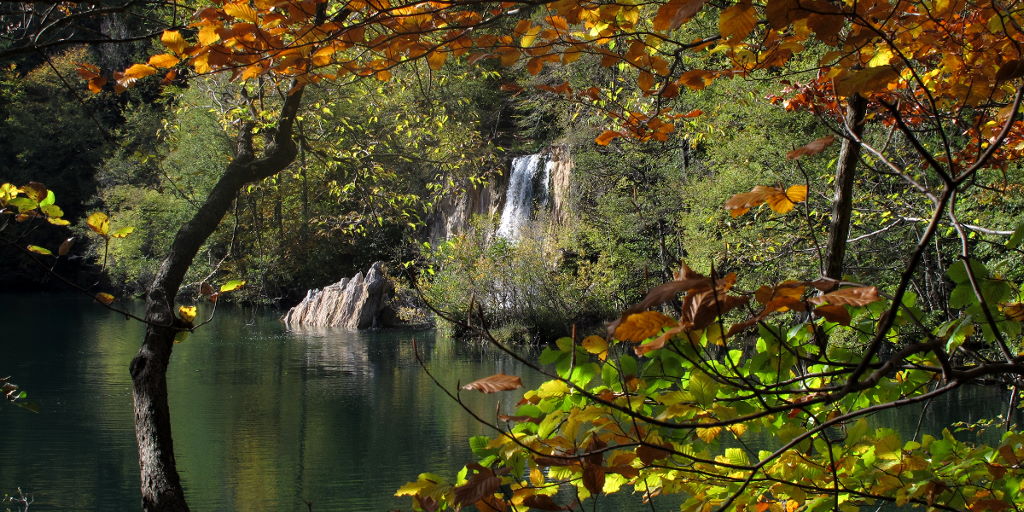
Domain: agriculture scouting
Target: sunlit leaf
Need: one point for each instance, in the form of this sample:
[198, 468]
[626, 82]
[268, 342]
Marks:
[638, 327]
[173, 40]
[607, 137]
[187, 313]
[40, 250]
[853, 296]
[495, 383]
[232, 285]
[99, 222]
[105, 298]
[122, 232]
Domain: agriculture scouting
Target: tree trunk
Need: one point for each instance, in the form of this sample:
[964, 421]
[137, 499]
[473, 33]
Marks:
[842, 206]
[161, 486]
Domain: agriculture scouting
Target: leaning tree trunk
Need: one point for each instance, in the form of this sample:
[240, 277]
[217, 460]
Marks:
[842, 206]
[161, 486]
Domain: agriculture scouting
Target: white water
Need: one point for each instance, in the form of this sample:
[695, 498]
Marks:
[519, 197]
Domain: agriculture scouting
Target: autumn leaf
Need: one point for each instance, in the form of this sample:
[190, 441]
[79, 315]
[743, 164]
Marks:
[812, 148]
[1013, 311]
[543, 502]
[187, 313]
[638, 327]
[596, 345]
[673, 14]
[99, 222]
[1010, 70]
[173, 40]
[481, 484]
[65, 246]
[495, 383]
[833, 313]
[607, 137]
[163, 61]
[780, 201]
[122, 232]
[737, 22]
[853, 296]
[593, 478]
[104, 298]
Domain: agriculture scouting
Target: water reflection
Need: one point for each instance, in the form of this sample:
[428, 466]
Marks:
[264, 419]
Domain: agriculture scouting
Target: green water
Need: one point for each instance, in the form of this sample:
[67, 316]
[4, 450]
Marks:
[263, 419]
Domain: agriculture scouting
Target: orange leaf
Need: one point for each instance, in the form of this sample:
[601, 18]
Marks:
[436, 59]
[783, 202]
[812, 148]
[674, 13]
[737, 22]
[605, 138]
[163, 61]
[138, 71]
[853, 296]
[693, 113]
[640, 326]
[495, 383]
[105, 298]
[865, 81]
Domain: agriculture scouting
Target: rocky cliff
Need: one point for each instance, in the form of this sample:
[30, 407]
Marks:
[358, 302]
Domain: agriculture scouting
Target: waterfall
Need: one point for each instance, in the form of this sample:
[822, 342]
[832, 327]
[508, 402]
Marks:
[519, 197]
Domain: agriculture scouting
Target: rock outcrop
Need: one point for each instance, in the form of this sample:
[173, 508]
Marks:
[353, 303]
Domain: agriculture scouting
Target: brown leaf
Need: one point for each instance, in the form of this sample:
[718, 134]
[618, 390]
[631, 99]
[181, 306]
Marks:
[543, 502]
[35, 191]
[648, 454]
[495, 383]
[65, 246]
[737, 22]
[834, 313]
[481, 484]
[674, 13]
[791, 289]
[1010, 70]
[658, 342]
[811, 148]
[853, 296]
[593, 478]
[865, 81]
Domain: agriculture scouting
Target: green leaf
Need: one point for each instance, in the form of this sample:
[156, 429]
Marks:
[48, 200]
[232, 285]
[23, 204]
[122, 232]
[702, 388]
[1016, 238]
[40, 250]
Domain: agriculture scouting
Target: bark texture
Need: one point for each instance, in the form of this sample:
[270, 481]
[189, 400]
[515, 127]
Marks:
[846, 172]
[161, 485]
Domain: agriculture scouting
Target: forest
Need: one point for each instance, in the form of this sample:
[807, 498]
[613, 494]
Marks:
[727, 247]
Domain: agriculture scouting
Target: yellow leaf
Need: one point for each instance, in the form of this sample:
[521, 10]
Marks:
[552, 388]
[122, 232]
[241, 10]
[708, 434]
[187, 313]
[138, 71]
[104, 298]
[208, 35]
[163, 61]
[783, 202]
[596, 345]
[173, 41]
[530, 36]
[99, 222]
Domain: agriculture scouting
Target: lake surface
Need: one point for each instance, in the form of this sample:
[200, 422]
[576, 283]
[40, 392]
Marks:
[263, 418]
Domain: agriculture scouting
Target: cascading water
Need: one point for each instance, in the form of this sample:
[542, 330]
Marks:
[519, 197]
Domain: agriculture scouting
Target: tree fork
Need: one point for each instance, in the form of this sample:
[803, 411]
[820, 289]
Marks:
[160, 483]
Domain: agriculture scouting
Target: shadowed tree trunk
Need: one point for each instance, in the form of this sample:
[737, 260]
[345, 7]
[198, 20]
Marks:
[161, 486]
[846, 172]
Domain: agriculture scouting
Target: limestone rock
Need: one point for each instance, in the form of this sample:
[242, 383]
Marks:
[352, 303]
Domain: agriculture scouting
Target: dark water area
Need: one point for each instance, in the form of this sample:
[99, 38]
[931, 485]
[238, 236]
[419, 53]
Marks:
[267, 419]
[263, 419]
